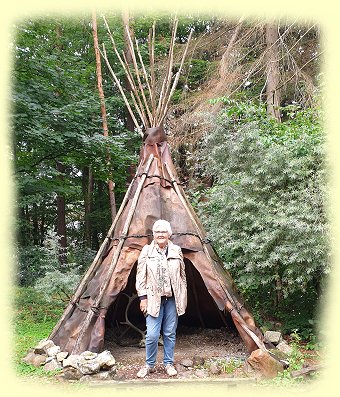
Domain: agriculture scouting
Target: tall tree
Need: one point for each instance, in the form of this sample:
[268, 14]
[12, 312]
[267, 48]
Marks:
[87, 187]
[61, 214]
[111, 184]
[273, 97]
[61, 202]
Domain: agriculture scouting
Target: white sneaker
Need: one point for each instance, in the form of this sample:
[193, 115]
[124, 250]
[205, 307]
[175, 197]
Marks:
[146, 370]
[170, 370]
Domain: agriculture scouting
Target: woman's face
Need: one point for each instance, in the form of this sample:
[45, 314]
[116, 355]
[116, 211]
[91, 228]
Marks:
[161, 236]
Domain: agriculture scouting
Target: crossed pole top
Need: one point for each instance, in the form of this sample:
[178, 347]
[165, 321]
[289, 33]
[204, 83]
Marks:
[150, 109]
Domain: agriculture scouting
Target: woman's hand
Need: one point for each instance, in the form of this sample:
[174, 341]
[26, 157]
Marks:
[143, 305]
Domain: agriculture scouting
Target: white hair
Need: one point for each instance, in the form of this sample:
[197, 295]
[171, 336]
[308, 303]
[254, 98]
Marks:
[163, 223]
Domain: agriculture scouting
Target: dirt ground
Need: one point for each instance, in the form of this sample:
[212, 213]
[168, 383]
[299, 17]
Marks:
[200, 346]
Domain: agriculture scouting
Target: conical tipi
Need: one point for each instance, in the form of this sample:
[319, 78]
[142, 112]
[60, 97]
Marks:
[155, 193]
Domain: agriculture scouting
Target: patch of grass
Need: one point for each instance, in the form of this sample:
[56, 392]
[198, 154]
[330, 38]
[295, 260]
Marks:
[229, 365]
[33, 320]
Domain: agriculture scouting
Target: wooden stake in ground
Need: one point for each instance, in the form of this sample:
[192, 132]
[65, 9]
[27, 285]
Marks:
[111, 184]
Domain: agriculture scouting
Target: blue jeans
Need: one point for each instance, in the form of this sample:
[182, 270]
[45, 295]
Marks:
[167, 320]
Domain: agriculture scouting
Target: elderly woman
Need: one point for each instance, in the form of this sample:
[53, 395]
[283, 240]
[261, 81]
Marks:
[162, 290]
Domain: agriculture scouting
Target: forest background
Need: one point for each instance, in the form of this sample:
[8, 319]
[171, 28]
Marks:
[246, 133]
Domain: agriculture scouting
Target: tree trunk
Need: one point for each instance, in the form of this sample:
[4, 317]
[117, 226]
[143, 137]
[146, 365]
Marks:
[61, 216]
[278, 298]
[129, 124]
[42, 225]
[61, 203]
[23, 235]
[96, 229]
[273, 71]
[273, 110]
[27, 234]
[317, 286]
[111, 184]
[35, 224]
[87, 187]
[279, 294]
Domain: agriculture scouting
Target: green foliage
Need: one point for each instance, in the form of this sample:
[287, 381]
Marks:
[33, 320]
[298, 311]
[58, 279]
[57, 117]
[195, 72]
[29, 264]
[295, 358]
[229, 365]
[198, 69]
[226, 365]
[266, 210]
[40, 266]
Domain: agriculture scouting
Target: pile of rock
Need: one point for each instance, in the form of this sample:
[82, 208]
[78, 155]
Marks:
[84, 366]
[275, 337]
[263, 363]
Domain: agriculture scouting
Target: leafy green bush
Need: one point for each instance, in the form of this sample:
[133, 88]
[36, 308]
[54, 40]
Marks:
[29, 264]
[59, 279]
[266, 210]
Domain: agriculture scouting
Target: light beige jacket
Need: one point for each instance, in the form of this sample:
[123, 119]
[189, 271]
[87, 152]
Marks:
[146, 280]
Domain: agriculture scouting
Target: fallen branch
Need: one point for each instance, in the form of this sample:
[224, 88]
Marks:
[306, 371]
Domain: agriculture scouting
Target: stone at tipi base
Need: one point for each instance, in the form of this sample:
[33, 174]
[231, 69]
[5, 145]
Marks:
[274, 337]
[52, 365]
[100, 366]
[106, 360]
[71, 361]
[284, 347]
[43, 345]
[261, 363]
[187, 362]
[28, 359]
[198, 360]
[69, 373]
[90, 367]
[102, 375]
[34, 359]
[201, 373]
[45, 352]
[61, 356]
